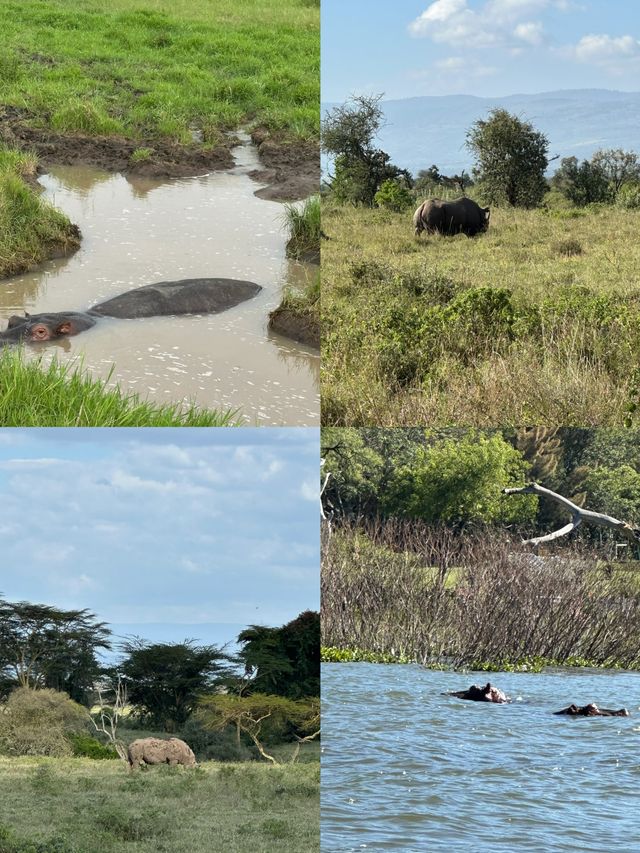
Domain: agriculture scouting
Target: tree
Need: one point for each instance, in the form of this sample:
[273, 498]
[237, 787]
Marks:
[42, 646]
[283, 661]
[511, 159]
[393, 196]
[619, 167]
[582, 183]
[262, 715]
[360, 168]
[165, 679]
[459, 480]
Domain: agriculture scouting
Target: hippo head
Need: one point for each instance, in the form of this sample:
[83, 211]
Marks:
[44, 327]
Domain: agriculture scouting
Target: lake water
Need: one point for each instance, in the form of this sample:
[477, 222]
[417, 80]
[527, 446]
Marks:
[406, 769]
[137, 231]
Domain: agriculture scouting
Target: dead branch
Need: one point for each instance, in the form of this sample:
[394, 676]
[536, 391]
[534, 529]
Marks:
[578, 515]
[110, 716]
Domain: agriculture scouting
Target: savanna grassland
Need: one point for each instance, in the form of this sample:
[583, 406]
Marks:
[536, 321]
[78, 805]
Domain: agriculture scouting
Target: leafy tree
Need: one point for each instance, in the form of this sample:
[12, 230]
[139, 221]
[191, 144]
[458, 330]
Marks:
[459, 480]
[582, 183]
[283, 661]
[42, 646]
[360, 168]
[511, 159]
[354, 471]
[619, 167]
[614, 491]
[165, 679]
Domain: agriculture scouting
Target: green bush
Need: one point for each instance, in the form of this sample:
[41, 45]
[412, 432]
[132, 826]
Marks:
[629, 196]
[392, 195]
[88, 747]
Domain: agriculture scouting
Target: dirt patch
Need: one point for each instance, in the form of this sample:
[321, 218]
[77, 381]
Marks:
[298, 327]
[292, 169]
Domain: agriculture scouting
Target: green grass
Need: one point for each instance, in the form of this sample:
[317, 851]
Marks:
[80, 806]
[536, 321]
[304, 227]
[163, 68]
[30, 229]
[63, 395]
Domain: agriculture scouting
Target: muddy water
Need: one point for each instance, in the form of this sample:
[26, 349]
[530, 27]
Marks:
[137, 231]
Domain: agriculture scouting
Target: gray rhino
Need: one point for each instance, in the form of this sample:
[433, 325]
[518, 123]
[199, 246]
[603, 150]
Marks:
[153, 750]
[462, 216]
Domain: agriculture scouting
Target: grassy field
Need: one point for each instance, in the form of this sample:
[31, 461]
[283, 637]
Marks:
[62, 395]
[163, 68]
[536, 321]
[30, 229]
[78, 805]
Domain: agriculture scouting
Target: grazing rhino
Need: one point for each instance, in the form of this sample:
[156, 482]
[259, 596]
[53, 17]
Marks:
[488, 693]
[153, 750]
[592, 710]
[191, 296]
[462, 216]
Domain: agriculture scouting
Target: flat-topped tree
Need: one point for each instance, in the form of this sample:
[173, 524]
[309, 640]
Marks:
[578, 515]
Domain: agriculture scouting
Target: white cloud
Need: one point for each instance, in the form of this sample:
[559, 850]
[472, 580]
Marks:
[310, 491]
[605, 48]
[496, 23]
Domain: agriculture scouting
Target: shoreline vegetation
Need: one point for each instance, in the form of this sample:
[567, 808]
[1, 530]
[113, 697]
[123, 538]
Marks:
[160, 91]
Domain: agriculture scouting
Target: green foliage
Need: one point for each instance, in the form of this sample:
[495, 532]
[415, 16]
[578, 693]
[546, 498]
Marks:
[330, 654]
[39, 722]
[303, 224]
[619, 167]
[511, 159]
[583, 183]
[213, 745]
[283, 661]
[459, 480]
[129, 827]
[88, 747]
[628, 197]
[614, 491]
[393, 195]
[165, 679]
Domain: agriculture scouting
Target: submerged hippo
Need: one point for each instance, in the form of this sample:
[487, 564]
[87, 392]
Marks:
[488, 693]
[592, 710]
[191, 296]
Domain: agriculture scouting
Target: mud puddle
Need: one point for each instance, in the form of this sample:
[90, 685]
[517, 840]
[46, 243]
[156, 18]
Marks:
[140, 230]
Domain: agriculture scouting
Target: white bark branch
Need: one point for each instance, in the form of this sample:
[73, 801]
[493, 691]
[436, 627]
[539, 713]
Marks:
[578, 515]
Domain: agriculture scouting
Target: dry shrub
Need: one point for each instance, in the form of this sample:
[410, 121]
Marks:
[39, 722]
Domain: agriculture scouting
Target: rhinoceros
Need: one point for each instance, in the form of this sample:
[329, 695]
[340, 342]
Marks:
[461, 216]
[153, 750]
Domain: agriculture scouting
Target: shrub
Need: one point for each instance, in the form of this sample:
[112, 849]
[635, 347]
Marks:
[392, 195]
[88, 747]
[214, 745]
[629, 196]
[568, 247]
[39, 722]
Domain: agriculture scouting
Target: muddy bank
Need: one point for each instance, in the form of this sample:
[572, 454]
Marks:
[292, 169]
[296, 326]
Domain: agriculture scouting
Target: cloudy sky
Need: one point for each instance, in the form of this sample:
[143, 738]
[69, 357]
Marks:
[489, 48]
[163, 533]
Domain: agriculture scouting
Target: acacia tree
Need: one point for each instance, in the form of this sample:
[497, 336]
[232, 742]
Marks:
[619, 167]
[511, 159]
[42, 646]
[348, 134]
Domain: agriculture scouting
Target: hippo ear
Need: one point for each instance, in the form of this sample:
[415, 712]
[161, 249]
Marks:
[65, 328]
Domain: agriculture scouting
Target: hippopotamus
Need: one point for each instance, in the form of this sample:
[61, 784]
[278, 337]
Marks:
[153, 750]
[488, 693]
[191, 296]
[461, 216]
[592, 710]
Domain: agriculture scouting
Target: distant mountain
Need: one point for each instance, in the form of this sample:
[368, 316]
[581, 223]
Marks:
[422, 131]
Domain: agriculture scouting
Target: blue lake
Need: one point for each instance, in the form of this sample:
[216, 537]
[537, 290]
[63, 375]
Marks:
[407, 769]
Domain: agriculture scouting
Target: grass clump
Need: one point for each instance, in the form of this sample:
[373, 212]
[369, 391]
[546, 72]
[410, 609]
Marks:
[298, 315]
[32, 394]
[31, 230]
[304, 225]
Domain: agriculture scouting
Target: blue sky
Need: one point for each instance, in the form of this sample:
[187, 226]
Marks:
[163, 533]
[488, 48]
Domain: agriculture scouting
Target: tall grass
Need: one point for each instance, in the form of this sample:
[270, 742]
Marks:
[304, 227]
[536, 321]
[65, 395]
[85, 805]
[163, 68]
[31, 230]
[407, 590]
